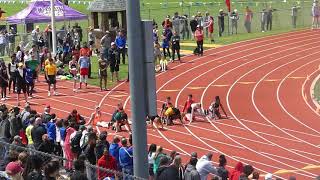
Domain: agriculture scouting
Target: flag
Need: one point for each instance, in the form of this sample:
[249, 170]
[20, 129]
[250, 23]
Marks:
[228, 3]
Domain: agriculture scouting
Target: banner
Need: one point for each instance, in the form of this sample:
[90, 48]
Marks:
[228, 5]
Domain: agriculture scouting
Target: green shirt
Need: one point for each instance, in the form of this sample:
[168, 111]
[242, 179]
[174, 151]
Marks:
[33, 64]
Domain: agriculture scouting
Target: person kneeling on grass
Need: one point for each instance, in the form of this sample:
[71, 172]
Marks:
[20, 75]
[214, 109]
[50, 73]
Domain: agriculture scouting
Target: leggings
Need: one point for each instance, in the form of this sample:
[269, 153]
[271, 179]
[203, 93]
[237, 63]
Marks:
[165, 54]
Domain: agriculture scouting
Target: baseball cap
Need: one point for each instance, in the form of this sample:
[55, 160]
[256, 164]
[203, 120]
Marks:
[13, 168]
[113, 43]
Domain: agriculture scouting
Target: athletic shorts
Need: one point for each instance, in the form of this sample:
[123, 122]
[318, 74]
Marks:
[51, 79]
[84, 71]
[22, 88]
[114, 68]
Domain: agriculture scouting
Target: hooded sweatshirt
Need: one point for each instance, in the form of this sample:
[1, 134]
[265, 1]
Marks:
[191, 173]
[235, 174]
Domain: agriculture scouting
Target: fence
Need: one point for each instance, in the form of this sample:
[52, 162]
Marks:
[9, 150]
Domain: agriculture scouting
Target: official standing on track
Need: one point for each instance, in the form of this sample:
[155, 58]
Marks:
[50, 73]
[175, 41]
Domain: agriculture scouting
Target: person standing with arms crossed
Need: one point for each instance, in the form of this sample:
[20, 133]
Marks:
[50, 73]
[175, 41]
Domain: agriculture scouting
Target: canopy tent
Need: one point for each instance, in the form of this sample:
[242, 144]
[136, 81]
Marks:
[40, 12]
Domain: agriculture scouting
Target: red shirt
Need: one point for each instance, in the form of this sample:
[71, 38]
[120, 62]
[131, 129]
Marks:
[187, 105]
[198, 35]
[107, 162]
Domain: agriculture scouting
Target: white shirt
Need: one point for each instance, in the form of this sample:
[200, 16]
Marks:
[151, 158]
[58, 135]
[205, 167]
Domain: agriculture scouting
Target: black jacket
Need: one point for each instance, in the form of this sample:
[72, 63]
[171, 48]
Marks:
[36, 133]
[193, 25]
[167, 173]
[20, 80]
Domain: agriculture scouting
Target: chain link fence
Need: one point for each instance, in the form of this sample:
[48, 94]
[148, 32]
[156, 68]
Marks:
[10, 151]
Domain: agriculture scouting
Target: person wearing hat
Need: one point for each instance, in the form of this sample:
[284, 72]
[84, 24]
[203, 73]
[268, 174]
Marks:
[105, 44]
[198, 36]
[50, 73]
[221, 21]
[113, 61]
[20, 75]
[4, 80]
[234, 16]
[14, 170]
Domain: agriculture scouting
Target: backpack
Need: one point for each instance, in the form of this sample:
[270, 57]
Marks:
[75, 142]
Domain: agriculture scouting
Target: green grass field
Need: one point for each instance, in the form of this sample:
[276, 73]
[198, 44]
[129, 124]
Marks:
[159, 9]
[316, 91]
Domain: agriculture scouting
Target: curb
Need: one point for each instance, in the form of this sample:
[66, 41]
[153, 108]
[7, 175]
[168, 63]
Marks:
[315, 102]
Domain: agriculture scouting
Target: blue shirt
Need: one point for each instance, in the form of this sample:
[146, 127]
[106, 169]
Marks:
[84, 62]
[121, 42]
[126, 157]
[114, 151]
[51, 129]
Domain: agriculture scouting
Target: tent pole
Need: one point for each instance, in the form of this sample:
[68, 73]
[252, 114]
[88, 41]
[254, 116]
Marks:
[54, 37]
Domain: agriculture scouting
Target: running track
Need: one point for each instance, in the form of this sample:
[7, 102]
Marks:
[264, 85]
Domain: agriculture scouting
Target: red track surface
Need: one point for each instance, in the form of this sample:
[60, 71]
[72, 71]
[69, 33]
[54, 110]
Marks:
[264, 87]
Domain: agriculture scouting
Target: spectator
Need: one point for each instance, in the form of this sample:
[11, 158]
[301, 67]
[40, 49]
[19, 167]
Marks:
[222, 171]
[126, 158]
[84, 63]
[106, 161]
[294, 15]
[11, 41]
[91, 38]
[177, 163]
[221, 21]
[114, 61]
[205, 166]
[76, 118]
[185, 27]
[28, 132]
[114, 148]
[198, 36]
[315, 12]
[167, 22]
[121, 46]
[105, 45]
[14, 170]
[172, 155]
[52, 129]
[176, 23]
[165, 171]
[151, 155]
[248, 19]
[102, 144]
[1, 13]
[46, 146]
[46, 116]
[67, 146]
[157, 157]
[264, 15]
[85, 137]
[33, 168]
[175, 41]
[247, 171]
[12, 67]
[235, 174]
[37, 132]
[90, 154]
[234, 16]
[255, 175]
[193, 25]
[20, 75]
[79, 173]
[165, 45]
[35, 34]
[269, 18]
[4, 80]
[103, 73]
[3, 42]
[51, 170]
[191, 172]
[75, 139]
[193, 155]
